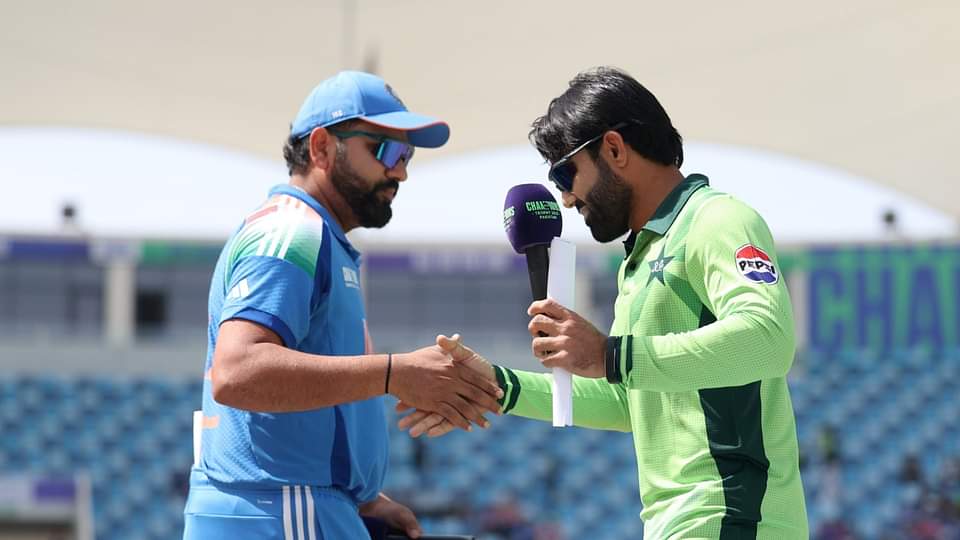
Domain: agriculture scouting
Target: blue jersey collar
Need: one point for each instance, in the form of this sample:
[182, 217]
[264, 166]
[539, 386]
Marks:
[293, 191]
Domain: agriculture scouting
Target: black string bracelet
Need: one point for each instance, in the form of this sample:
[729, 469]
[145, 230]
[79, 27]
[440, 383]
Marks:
[386, 387]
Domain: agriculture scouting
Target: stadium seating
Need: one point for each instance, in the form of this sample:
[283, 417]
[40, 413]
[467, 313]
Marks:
[133, 438]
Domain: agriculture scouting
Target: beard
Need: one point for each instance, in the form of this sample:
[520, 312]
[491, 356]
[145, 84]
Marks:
[608, 204]
[370, 209]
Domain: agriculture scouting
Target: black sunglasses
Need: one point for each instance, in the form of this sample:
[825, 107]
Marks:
[563, 170]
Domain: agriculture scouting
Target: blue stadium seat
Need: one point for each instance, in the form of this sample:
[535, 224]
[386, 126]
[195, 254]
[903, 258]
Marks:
[133, 438]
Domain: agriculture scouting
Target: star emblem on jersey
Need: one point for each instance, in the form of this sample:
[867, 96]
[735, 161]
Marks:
[658, 265]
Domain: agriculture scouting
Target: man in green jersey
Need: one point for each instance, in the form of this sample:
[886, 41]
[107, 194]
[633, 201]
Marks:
[702, 339]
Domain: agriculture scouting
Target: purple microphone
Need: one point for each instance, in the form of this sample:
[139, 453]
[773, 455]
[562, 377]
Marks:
[531, 217]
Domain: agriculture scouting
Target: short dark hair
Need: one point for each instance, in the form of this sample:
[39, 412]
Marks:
[296, 151]
[597, 100]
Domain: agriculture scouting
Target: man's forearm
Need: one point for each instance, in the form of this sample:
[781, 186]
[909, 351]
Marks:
[597, 404]
[740, 349]
[273, 378]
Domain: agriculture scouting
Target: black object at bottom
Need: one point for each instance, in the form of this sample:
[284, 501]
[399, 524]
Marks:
[538, 264]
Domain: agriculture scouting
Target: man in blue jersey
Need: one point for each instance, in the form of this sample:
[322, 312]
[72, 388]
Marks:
[294, 442]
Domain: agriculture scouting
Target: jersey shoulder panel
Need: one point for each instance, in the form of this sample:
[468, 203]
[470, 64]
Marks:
[722, 210]
[285, 228]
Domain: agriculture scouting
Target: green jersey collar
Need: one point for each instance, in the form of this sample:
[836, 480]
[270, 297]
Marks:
[670, 208]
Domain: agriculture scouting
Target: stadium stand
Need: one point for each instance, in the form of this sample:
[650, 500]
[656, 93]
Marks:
[520, 478]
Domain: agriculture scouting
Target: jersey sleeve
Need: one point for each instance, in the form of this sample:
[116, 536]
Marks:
[597, 404]
[272, 275]
[746, 328]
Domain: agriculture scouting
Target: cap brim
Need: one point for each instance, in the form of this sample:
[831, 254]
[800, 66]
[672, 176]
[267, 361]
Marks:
[423, 131]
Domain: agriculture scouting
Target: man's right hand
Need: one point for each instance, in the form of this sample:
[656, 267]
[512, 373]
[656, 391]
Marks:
[428, 379]
[422, 421]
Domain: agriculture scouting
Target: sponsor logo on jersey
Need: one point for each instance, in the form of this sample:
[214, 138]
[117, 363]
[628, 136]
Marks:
[239, 291]
[756, 265]
[351, 278]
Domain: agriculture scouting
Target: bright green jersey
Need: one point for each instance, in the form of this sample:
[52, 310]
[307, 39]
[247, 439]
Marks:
[707, 340]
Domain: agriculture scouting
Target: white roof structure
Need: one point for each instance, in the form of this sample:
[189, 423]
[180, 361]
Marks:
[136, 185]
[870, 87]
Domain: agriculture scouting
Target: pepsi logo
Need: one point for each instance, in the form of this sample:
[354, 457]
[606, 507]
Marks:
[756, 265]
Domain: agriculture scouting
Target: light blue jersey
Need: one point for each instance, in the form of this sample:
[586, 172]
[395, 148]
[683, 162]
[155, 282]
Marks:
[291, 269]
[287, 513]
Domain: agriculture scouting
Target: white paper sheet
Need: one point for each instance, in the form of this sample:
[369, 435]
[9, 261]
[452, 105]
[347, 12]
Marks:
[561, 286]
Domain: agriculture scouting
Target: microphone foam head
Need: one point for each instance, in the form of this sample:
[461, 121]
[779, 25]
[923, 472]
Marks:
[531, 216]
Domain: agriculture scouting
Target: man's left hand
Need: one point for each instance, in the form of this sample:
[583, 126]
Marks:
[570, 341]
[393, 513]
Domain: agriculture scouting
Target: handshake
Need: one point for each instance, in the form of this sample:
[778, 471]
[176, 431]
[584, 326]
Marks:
[448, 385]
[451, 386]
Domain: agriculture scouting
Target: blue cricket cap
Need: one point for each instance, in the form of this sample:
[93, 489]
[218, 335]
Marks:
[354, 94]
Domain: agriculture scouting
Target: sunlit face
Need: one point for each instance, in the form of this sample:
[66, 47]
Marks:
[601, 196]
[365, 183]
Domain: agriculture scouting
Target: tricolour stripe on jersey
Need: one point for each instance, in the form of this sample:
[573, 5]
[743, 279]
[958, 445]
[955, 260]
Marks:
[271, 230]
[733, 419]
[281, 224]
[260, 213]
[292, 232]
[298, 215]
